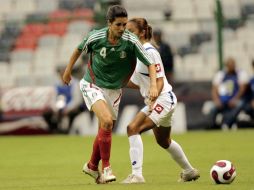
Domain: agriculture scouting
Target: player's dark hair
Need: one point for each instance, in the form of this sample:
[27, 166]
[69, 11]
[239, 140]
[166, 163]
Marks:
[116, 11]
[142, 25]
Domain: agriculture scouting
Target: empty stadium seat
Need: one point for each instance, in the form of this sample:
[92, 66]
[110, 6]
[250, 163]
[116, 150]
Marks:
[24, 6]
[6, 6]
[4, 67]
[231, 9]
[83, 14]
[58, 28]
[44, 60]
[49, 41]
[35, 29]
[47, 5]
[59, 15]
[26, 42]
[19, 68]
[21, 56]
[79, 27]
[204, 10]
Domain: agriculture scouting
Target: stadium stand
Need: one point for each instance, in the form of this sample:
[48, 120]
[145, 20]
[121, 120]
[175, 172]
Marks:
[39, 35]
[191, 28]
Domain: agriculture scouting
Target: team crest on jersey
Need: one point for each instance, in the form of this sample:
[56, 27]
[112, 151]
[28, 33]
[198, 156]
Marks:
[158, 108]
[94, 94]
[122, 54]
[158, 67]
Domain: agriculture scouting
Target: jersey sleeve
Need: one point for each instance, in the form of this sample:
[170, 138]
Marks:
[134, 78]
[155, 57]
[84, 45]
[141, 54]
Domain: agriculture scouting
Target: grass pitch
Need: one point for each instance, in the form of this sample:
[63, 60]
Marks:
[55, 162]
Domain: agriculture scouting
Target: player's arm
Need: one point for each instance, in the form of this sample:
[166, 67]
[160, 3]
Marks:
[160, 84]
[67, 73]
[145, 59]
[153, 92]
[83, 47]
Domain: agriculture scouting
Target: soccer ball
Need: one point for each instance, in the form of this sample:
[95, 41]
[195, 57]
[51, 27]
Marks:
[223, 172]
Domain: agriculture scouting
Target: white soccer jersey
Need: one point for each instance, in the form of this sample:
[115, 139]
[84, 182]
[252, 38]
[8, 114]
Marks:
[141, 77]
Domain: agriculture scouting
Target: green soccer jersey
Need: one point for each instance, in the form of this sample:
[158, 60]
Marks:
[111, 66]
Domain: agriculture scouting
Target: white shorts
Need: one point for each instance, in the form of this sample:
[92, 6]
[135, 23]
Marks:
[163, 109]
[92, 93]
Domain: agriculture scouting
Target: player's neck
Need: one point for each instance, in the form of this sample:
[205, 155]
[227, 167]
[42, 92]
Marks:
[112, 39]
[143, 41]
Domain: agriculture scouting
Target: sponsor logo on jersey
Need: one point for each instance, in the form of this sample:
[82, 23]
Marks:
[122, 54]
[158, 67]
[112, 49]
[134, 163]
[158, 108]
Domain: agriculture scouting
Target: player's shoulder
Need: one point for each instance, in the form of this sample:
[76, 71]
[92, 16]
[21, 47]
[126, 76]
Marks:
[129, 36]
[149, 47]
[98, 33]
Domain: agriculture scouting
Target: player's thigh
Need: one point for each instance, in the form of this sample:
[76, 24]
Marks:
[141, 123]
[146, 125]
[138, 119]
[101, 110]
[133, 127]
[162, 133]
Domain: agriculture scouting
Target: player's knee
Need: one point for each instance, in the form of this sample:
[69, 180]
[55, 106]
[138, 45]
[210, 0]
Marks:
[132, 130]
[107, 122]
[164, 143]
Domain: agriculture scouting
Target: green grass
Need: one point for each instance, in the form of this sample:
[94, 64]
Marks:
[55, 162]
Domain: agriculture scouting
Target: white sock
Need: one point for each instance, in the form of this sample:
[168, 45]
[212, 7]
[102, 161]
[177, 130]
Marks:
[136, 154]
[178, 155]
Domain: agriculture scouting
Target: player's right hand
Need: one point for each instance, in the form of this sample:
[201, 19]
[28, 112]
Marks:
[67, 76]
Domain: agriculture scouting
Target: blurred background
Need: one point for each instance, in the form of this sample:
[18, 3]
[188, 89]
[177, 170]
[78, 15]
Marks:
[37, 38]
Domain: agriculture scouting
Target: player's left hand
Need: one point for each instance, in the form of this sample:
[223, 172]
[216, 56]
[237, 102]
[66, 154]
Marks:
[153, 93]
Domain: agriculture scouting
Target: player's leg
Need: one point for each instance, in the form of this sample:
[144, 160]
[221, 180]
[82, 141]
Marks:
[95, 157]
[140, 124]
[95, 101]
[162, 135]
[102, 143]
[106, 123]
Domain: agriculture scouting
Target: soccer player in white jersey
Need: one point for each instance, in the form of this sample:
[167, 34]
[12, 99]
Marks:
[155, 115]
[113, 54]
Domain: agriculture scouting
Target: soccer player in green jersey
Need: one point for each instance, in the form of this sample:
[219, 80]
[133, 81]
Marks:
[113, 52]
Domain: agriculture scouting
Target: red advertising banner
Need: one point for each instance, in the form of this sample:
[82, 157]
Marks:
[26, 101]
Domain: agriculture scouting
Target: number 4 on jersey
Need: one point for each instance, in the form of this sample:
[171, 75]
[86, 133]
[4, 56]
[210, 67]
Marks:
[103, 52]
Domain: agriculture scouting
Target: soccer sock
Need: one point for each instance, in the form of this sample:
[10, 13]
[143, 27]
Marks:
[104, 140]
[136, 154]
[178, 155]
[95, 158]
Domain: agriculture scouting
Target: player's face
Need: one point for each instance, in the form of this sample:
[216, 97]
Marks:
[132, 28]
[118, 26]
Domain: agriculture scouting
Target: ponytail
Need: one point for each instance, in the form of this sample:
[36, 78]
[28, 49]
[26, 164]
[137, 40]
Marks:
[142, 25]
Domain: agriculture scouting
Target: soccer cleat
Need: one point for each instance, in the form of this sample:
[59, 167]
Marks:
[94, 174]
[133, 179]
[189, 175]
[107, 175]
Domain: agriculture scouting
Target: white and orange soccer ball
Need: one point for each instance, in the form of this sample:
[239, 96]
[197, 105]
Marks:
[223, 172]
